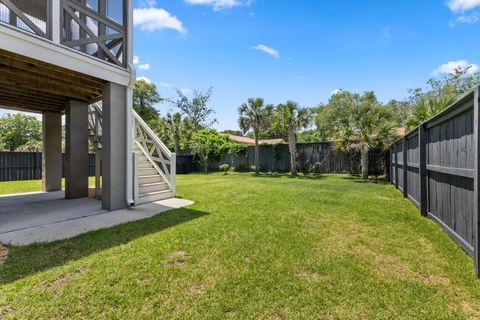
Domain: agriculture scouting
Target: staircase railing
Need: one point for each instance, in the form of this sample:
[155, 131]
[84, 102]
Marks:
[95, 135]
[155, 150]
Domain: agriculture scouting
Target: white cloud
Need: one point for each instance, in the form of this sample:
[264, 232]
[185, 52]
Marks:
[220, 4]
[136, 59]
[387, 33]
[152, 19]
[267, 50]
[463, 5]
[144, 66]
[166, 84]
[185, 91]
[465, 19]
[145, 79]
[451, 66]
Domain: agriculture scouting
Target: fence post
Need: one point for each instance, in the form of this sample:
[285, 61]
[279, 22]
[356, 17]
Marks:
[396, 164]
[405, 166]
[422, 145]
[476, 213]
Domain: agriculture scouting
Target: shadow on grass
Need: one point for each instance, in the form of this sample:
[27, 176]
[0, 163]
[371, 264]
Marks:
[287, 175]
[27, 260]
[358, 179]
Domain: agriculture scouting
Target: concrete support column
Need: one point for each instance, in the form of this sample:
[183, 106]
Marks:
[76, 155]
[114, 150]
[52, 152]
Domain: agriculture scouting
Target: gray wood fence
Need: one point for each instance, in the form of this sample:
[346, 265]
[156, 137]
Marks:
[436, 166]
[15, 166]
[277, 159]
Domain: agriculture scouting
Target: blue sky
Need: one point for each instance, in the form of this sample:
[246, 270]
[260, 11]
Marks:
[311, 47]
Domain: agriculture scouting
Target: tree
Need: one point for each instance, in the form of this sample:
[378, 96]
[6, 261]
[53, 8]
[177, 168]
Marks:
[145, 97]
[196, 110]
[439, 94]
[209, 144]
[174, 128]
[367, 125]
[19, 129]
[291, 118]
[255, 116]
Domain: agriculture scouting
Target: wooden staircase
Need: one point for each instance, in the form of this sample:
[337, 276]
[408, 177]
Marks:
[151, 185]
[154, 166]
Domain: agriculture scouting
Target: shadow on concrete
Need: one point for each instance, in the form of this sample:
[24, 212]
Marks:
[26, 260]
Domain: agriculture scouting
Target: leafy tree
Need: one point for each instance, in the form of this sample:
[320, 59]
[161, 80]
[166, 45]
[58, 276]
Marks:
[439, 94]
[291, 118]
[31, 146]
[209, 144]
[332, 115]
[19, 129]
[145, 97]
[233, 132]
[309, 136]
[366, 125]
[196, 110]
[255, 116]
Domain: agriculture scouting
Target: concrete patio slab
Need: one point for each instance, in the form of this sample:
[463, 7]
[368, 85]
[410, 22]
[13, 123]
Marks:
[44, 217]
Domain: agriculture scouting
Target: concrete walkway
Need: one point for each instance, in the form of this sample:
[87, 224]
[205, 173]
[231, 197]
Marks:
[43, 217]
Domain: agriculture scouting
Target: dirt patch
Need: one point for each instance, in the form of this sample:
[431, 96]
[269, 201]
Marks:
[3, 254]
[311, 276]
[198, 288]
[176, 259]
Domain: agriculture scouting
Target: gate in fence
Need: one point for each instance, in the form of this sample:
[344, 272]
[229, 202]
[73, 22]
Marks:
[436, 166]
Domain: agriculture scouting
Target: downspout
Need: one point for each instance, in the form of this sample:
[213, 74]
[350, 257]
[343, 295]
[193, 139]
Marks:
[131, 85]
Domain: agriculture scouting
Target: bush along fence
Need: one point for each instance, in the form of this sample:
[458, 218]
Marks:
[436, 166]
[15, 166]
[312, 158]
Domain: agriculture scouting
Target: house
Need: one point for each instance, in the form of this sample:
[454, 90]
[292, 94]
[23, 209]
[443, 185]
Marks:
[250, 141]
[74, 58]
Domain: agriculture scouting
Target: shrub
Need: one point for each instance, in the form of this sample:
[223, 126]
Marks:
[224, 168]
[316, 168]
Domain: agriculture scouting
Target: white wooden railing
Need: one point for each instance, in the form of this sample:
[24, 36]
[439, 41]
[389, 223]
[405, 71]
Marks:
[144, 138]
[155, 150]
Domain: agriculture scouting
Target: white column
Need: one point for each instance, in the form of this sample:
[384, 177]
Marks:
[56, 19]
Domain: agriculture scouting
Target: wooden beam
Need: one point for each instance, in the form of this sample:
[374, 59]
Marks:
[16, 91]
[56, 87]
[51, 69]
[12, 103]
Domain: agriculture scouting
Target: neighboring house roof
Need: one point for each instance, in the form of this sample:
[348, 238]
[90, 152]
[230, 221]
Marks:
[246, 140]
[401, 132]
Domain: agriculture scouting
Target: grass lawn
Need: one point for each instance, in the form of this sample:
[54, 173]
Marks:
[12, 187]
[267, 247]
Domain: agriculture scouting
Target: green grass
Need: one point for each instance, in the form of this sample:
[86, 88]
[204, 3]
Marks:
[270, 247]
[12, 187]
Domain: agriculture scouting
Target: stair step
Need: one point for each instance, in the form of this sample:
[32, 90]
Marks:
[147, 171]
[152, 178]
[154, 196]
[152, 187]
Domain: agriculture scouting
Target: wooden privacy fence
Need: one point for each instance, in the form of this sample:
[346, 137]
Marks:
[436, 166]
[276, 158]
[15, 166]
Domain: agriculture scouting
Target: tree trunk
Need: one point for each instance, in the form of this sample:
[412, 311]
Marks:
[257, 155]
[292, 146]
[364, 161]
[176, 148]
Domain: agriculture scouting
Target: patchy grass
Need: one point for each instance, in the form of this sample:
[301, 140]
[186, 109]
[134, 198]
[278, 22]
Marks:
[268, 247]
[12, 187]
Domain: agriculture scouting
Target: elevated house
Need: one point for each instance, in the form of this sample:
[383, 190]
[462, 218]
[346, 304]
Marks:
[73, 58]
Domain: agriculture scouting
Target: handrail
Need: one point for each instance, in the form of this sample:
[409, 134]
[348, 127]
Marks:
[151, 134]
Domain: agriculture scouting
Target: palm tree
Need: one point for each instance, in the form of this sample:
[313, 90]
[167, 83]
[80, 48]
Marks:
[255, 116]
[369, 126]
[290, 118]
[174, 128]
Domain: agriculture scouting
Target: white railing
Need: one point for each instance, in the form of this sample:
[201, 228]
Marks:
[155, 150]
